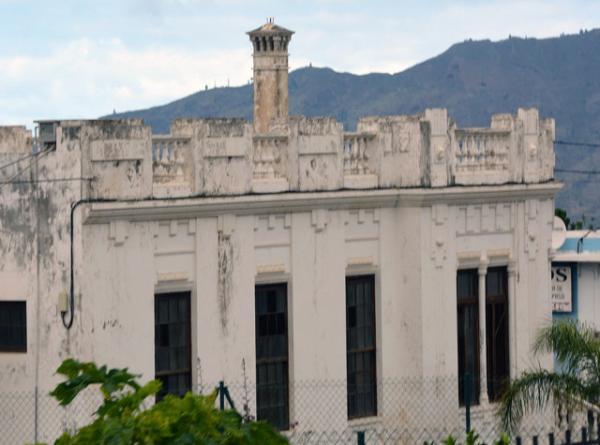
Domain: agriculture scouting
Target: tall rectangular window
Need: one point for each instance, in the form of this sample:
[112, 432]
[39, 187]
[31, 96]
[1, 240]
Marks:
[13, 326]
[172, 343]
[467, 290]
[360, 346]
[496, 332]
[272, 389]
[496, 323]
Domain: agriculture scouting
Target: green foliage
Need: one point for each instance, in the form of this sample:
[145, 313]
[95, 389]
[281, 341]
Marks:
[120, 420]
[472, 438]
[572, 224]
[577, 350]
[562, 214]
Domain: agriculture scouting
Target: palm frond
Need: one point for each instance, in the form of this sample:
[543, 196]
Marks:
[533, 390]
[574, 344]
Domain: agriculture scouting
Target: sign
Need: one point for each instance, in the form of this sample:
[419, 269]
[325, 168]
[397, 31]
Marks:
[561, 289]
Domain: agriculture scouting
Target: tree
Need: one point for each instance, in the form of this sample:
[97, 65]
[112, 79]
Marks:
[562, 214]
[577, 351]
[120, 420]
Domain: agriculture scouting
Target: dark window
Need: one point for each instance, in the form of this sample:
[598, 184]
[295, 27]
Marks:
[496, 323]
[13, 326]
[467, 290]
[360, 346]
[496, 326]
[272, 392]
[172, 342]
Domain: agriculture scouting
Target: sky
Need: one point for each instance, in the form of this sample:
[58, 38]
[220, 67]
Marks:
[83, 59]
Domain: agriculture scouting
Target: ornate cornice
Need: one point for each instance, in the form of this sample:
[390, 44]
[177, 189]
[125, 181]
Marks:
[206, 206]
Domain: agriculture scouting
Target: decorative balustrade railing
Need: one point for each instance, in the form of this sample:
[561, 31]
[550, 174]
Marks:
[482, 150]
[357, 153]
[169, 156]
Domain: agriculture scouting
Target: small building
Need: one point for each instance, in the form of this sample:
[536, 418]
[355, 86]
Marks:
[334, 280]
[576, 275]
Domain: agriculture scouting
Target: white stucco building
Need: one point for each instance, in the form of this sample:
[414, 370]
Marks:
[284, 252]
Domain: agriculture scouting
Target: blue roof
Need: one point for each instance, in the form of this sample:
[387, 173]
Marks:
[587, 245]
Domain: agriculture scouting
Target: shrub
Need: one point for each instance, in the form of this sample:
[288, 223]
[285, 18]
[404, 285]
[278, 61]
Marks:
[120, 420]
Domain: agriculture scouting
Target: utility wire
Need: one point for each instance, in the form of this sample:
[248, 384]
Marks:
[16, 161]
[578, 144]
[579, 172]
[11, 180]
[38, 181]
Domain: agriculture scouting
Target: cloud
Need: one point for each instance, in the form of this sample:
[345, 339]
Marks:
[87, 79]
[130, 54]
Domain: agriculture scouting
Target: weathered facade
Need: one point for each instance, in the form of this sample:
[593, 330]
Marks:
[106, 216]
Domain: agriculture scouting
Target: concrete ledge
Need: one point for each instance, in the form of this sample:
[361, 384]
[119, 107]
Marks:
[196, 206]
[270, 185]
[360, 181]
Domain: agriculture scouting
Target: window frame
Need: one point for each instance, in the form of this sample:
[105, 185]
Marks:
[358, 414]
[282, 288]
[16, 348]
[187, 295]
[473, 301]
[495, 387]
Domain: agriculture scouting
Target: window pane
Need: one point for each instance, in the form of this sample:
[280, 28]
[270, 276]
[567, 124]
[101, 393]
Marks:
[272, 390]
[498, 369]
[467, 319]
[360, 346]
[13, 326]
[172, 343]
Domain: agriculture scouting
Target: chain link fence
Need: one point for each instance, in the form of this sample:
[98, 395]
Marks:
[408, 411]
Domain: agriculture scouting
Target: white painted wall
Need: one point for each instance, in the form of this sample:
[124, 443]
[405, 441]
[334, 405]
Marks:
[588, 293]
[413, 239]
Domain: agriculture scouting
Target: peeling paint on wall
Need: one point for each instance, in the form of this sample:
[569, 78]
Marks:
[225, 277]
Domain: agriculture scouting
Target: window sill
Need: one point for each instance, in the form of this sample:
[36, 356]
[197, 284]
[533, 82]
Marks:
[481, 408]
[358, 422]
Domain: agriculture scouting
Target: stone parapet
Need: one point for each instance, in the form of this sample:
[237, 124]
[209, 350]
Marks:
[226, 157]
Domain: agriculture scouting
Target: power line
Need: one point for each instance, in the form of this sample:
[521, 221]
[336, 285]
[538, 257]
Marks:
[47, 180]
[20, 172]
[578, 172]
[16, 161]
[578, 144]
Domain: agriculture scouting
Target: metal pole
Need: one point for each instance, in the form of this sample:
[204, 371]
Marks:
[361, 437]
[221, 395]
[35, 413]
[229, 399]
[467, 393]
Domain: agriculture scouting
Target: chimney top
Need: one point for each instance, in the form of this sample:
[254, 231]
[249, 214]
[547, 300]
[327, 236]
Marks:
[270, 28]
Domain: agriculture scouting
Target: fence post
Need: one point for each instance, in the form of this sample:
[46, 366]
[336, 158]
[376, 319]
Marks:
[229, 399]
[36, 418]
[360, 435]
[221, 395]
[467, 395]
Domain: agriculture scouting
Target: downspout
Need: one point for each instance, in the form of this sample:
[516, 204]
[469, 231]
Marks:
[68, 322]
